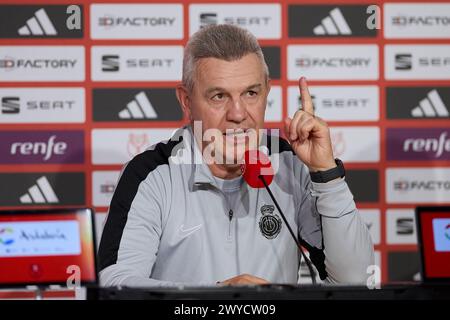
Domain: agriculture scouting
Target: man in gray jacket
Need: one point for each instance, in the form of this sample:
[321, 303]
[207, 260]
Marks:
[182, 213]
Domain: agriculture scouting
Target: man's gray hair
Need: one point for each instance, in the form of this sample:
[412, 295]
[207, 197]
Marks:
[225, 42]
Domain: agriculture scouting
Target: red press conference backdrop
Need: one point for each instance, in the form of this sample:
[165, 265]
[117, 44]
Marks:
[86, 85]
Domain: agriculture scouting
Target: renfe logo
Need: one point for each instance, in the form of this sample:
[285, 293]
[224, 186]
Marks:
[39, 238]
[418, 144]
[42, 146]
[45, 149]
[441, 233]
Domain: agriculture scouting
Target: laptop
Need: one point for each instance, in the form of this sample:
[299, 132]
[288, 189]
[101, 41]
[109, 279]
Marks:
[47, 247]
[433, 230]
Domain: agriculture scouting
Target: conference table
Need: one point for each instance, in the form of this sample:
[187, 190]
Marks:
[397, 291]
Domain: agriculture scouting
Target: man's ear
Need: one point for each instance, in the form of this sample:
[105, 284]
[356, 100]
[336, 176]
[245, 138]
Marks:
[184, 100]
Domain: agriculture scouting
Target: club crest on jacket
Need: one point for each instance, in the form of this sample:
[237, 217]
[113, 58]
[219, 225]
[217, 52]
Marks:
[270, 223]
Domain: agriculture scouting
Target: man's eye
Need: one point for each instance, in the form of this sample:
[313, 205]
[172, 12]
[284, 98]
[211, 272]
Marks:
[218, 97]
[252, 93]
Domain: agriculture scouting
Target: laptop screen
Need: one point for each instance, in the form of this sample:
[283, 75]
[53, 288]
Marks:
[43, 247]
[434, 241]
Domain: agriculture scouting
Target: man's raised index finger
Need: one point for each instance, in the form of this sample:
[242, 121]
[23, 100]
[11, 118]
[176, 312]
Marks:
[307, 104]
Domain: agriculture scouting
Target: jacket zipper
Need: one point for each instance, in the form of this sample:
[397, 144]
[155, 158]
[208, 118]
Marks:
[230, 217]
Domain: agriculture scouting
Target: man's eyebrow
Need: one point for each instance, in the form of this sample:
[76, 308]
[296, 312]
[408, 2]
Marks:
[211, 90]
[214, 89]
[254, 86]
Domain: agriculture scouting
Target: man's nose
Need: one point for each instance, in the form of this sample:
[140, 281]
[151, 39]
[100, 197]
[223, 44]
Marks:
[237, 111]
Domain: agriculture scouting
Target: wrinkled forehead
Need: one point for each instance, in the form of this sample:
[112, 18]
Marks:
[236, 74]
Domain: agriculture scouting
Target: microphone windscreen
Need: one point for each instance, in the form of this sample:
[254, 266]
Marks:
[257, 163]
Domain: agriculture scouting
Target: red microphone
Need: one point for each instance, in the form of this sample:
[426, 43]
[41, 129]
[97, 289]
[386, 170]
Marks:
[256, 164]
[257, 171]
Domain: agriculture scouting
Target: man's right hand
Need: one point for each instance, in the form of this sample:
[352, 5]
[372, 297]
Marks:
[243, 279]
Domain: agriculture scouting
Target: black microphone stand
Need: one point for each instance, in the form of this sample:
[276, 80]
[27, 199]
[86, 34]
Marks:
[308, 263]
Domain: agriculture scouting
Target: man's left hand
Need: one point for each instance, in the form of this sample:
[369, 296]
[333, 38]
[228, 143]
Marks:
[309, 135]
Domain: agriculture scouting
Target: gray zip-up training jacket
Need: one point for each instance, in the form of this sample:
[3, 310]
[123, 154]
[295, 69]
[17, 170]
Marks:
[169, 223]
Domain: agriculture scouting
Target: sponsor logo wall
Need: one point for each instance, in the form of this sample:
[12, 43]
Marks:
[84, 87]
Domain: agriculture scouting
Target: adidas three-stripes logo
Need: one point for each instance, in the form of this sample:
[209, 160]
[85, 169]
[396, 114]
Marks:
[38, 25]
[139, 108]
[41, 192]
[334, 24]
[431, 106]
